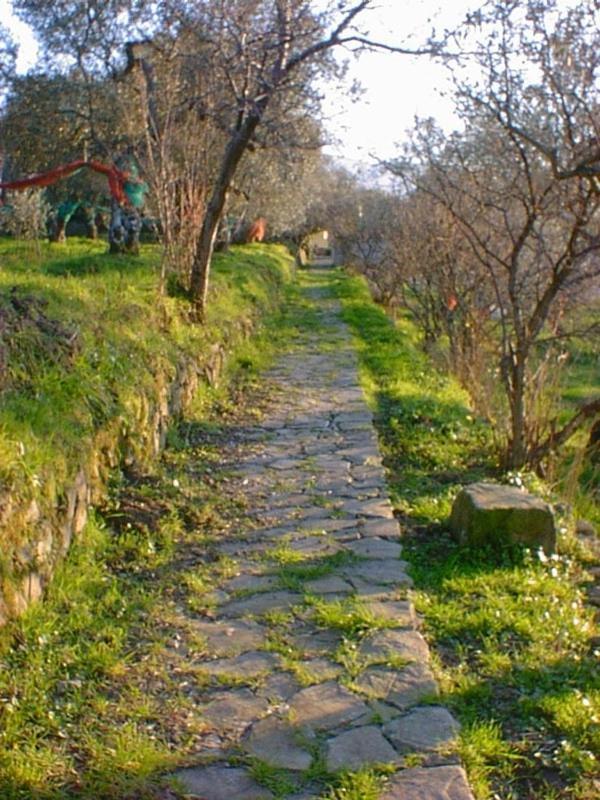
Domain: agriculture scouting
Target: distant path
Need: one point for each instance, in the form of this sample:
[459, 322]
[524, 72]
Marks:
[312, 661]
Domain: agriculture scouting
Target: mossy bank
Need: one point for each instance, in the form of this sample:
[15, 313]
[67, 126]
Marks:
[94, 366]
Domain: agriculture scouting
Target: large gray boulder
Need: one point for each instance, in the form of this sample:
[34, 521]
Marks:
[487, 513]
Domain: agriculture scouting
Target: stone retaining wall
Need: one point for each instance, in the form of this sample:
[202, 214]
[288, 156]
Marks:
[37, 534]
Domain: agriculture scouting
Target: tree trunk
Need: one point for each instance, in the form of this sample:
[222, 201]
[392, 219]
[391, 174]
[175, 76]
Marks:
[200, 274]
[517, 451]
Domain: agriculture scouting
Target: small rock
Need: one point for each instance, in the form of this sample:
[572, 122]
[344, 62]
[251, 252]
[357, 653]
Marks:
[423, 729]
[433, 783]
[220, 783]
[326, 706]
[279, 744]
[359, 747]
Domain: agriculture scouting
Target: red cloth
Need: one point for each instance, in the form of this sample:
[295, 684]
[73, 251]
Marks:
[116, 178]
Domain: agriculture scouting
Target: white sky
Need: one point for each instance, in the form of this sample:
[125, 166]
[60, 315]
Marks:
[396, 87]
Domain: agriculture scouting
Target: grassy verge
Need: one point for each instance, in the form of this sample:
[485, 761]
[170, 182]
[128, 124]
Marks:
[511, 635]
[87, 345]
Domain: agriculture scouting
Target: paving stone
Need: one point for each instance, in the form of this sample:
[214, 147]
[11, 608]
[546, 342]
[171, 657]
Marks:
[402, 688]
[407, 644]
[376, 548]
[279, 744]
[221, 783]
[383, 572]
[427, 728]
[231, 638]
[330, 584]
[261, 603]
[248, 665]
[431, 783]
[316, 642]
[381, 528]
[233, 711]
[250, 583]
[357, 748]
[321, 669]
[326, 706]
[279, 687]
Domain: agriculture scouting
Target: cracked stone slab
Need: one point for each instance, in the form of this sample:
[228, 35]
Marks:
[261, 604]
[248, 665]
[231, 639]
[430, 783]
[279, 744]
[376, 548]
[326, 706]
[232, 712]
[402, 688]
[313, 643]
[357, 748]
[407, 644]
[423, 729]
[220, 783]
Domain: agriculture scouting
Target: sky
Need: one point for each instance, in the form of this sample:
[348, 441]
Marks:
[396, 88]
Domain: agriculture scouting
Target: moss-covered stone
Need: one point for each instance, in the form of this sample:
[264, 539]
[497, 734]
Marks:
[491, 514]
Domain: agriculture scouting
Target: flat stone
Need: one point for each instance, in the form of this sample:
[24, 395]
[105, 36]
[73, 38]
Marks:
[230, 639]
[487, 513]
[317, 643]
[261, 603]
[382, 572]
[248, 665]
[402, 688]
[433, 783]
[407, 644]
[330, 584]
[250, 583]
[370, 508]
[376, 548]
[279, 687]
[358, 748]
[326, 706]
[321, 669]
[382, 528]
[423, 729]
[221, 783]
[400, 612]
[233, 711]
[279, 744]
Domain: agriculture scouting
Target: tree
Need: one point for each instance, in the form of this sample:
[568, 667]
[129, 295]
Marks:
[522, 186]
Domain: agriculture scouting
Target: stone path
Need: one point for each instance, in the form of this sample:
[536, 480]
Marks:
[312, 661]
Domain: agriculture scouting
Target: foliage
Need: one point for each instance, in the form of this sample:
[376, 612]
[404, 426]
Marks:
[26, 216]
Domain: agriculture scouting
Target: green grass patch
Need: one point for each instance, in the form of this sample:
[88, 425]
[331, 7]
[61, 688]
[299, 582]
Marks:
[511, 633]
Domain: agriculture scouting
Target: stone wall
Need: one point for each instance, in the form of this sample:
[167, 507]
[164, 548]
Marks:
[35, 535]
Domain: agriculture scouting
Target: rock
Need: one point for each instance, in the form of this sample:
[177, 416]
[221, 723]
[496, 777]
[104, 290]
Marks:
[434, 783]
[358, 748]
[330, 584]
[381, 572]
[487, 513]
[233, 711]
[402, 688]
[261, 603]
[248, 665]
[423, 729]
[230, 639]
[220, 783]
[279, 744]
[376, 548]
[406, 644]
[326, 706]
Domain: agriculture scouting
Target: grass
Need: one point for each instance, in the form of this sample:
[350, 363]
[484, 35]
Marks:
[510, 632]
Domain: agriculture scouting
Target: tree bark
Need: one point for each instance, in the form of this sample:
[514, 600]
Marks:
[199, 279]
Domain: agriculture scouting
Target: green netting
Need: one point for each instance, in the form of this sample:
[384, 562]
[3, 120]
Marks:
[136, 192]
